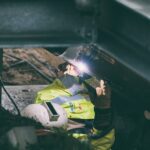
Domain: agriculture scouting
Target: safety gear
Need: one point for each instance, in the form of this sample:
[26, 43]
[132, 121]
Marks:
[39, 113]
[88, 54]
[73, 96]
[72, 53]
[74, 56]
[68, 93]
[104, 142]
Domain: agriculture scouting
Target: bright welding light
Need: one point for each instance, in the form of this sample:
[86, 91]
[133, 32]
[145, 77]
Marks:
[82, 67]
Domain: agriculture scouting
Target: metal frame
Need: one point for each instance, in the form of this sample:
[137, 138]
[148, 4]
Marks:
[1, 68]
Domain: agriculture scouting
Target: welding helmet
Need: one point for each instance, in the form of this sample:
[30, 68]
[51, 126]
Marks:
[78, 56]
[39, 113]
[85, 57]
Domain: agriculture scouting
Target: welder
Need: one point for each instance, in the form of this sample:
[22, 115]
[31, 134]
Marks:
[88, 109]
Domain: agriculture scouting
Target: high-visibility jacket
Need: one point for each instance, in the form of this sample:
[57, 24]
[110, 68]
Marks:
[96, 139]
[71, 95]
[74, 98]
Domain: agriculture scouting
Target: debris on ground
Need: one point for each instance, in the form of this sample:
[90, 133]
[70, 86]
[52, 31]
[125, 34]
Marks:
[29, 66]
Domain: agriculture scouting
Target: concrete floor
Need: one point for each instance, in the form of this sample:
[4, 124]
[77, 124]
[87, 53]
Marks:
[22, 95]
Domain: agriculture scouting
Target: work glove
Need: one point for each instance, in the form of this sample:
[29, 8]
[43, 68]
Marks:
[103, 98]
[71, 70]
[103, 111]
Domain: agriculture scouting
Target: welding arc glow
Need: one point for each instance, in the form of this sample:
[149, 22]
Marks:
[82, 67]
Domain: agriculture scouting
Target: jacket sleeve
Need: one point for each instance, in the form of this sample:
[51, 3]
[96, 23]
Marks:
[102, 143]
[103, 118]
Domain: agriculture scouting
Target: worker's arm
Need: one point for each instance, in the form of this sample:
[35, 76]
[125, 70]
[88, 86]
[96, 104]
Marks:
[103, 111]
[103, 132]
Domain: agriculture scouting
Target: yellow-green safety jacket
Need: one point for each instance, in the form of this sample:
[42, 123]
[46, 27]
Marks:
[74, 98]
[71, 95]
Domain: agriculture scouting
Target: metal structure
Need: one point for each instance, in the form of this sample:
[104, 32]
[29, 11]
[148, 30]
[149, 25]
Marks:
[118, 28]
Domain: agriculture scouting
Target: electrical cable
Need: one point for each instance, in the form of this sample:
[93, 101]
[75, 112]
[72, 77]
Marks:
[11, 99]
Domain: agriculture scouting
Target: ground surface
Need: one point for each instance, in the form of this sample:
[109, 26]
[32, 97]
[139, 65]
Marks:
[22, 81]
[23, 95]
[19, 66]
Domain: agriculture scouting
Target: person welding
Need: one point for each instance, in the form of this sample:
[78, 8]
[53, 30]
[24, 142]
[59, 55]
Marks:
[86, 101]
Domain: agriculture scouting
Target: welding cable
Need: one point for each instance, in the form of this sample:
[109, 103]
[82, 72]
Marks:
[11, 99]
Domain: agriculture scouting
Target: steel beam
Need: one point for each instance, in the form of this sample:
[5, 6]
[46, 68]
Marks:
[1, 68]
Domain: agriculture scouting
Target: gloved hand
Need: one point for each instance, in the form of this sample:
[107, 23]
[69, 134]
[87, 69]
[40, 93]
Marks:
[103, 99]
[101, 89]
[103, 111]
[71, 70]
